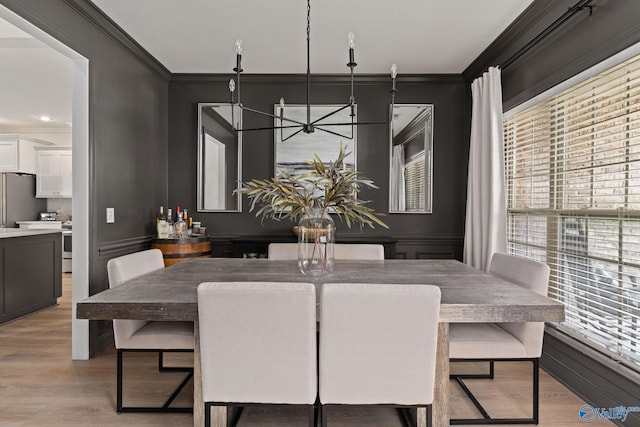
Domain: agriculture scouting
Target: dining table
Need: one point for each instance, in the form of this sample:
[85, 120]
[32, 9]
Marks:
[468, 295]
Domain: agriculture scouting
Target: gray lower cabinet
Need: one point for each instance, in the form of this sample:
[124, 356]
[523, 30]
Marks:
[30, 274]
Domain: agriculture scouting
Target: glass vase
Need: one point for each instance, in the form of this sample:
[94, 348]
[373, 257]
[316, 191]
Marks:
[316, 236]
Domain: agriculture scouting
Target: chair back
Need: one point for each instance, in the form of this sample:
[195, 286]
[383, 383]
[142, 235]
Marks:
[357, 251]
[122, 269]
[258, 342]
[378, 343]
[530, 274]
[283, 251]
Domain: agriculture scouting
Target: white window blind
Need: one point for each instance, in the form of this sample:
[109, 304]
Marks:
[573, 184]
[415, 190]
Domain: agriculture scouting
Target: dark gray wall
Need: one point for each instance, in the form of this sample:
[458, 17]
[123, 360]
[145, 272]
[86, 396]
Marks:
[421, 235]
[127, 132]
[579, 44]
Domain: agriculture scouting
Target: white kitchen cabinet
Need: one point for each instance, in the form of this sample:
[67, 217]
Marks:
[17, 153]
[54, 173]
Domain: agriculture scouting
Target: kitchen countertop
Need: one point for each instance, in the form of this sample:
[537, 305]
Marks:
[39, 225]
[20, 232]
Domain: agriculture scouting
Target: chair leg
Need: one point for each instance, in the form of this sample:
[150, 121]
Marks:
[233, 415]
[119, 381]
[474, 400]
[163, 368]
[406, 417]
[207, 414]
[166, 406]
[313, 415]
[316, 411]
[486, 418]
[177, 390]
[536, 391]
[488, 376]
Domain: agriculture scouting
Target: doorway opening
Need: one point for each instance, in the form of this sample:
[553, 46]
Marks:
[80, 167]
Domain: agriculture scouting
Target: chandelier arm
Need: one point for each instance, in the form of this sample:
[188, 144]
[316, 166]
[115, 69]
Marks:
[268, 128]
[332, 113]
[273, 116]
[336, 133]
[349, 124]
[290, 136]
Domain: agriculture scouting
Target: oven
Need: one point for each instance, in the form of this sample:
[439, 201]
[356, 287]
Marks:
[66, 250]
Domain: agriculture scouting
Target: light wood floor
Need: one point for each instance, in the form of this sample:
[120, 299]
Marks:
[41, 386]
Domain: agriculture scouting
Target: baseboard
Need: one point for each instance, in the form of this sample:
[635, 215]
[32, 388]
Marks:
[591, 375]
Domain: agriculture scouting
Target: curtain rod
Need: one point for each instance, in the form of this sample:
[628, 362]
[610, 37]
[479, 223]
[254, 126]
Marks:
[573, 10]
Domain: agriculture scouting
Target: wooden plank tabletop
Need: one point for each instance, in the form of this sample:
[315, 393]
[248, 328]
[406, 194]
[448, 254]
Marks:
[468, 294]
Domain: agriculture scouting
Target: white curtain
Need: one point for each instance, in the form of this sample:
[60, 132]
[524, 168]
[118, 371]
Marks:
[396, 186]
[486, 220]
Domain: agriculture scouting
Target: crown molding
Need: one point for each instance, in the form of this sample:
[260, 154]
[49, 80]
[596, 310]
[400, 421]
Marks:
[102, 22]
[536, 16]
[318, 79]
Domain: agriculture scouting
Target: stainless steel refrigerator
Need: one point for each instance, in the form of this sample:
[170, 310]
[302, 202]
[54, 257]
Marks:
[18, 199]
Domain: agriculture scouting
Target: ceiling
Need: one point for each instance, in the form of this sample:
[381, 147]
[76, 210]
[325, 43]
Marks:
[421, 36]
[35, 80]
[199, 36]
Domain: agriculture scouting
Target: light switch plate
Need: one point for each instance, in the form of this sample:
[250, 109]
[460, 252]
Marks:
[111, 216]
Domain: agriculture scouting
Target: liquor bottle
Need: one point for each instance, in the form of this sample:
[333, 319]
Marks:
[185, 219]
[188, 219]
[171, 231]
[161, 215]
[180, 227]
[161, 225]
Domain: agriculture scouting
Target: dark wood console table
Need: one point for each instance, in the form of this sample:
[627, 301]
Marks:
[257, 246]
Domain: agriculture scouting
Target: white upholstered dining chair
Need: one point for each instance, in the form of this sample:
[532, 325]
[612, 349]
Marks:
[493, 342]
[258, 344]
[358, 251]
[147, 336]
[377, 345]
[345, 251]
[282, 251]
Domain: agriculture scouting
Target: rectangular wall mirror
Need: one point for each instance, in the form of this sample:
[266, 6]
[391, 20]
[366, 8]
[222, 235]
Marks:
[219, 158]
[411, 158]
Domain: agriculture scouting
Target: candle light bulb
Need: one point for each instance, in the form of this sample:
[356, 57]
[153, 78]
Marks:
[239, 47]
[281, 102]
[232, 85]
[351, 42]
[394, 71]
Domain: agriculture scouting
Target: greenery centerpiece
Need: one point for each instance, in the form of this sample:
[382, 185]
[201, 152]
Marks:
[309, 197]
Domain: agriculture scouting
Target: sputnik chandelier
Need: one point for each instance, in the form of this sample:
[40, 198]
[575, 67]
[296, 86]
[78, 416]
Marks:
[321, 124]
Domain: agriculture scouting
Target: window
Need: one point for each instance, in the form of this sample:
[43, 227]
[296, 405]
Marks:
[573, 185]
[414, 184]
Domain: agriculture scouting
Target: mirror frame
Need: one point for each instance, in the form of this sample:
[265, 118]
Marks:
[200, 171]
[428, 148]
